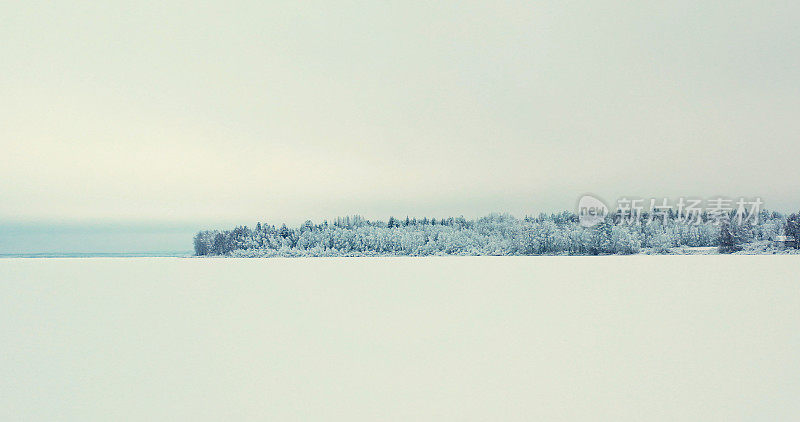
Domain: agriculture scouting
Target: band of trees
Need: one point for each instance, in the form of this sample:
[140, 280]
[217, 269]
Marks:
[495, 234]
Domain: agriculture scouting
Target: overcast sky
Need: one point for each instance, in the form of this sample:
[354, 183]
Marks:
[232, 111]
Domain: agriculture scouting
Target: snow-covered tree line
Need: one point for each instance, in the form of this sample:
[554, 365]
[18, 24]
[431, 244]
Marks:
[495, 234]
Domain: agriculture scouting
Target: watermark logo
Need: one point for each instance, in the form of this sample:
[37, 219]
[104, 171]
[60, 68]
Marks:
[693, 211]
[591, 211]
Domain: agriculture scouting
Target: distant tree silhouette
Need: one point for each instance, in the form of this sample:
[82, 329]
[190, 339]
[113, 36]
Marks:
[792, 229]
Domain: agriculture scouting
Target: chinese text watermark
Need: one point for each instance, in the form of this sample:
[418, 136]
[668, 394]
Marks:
[694, 211]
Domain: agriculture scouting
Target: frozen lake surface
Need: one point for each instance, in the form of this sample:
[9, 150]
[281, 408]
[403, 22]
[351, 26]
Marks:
[452, 338]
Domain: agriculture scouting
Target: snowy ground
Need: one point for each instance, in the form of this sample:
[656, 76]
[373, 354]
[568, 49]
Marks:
[453, 338]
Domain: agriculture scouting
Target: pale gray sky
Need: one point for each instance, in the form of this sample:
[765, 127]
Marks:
[281, 111]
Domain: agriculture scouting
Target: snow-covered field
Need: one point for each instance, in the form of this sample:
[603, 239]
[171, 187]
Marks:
[452, 338]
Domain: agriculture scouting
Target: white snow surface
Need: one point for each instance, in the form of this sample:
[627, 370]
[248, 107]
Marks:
[407, 339]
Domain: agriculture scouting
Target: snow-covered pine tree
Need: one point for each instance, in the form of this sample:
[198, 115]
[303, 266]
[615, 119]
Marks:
[792, 229]
[728, 241]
